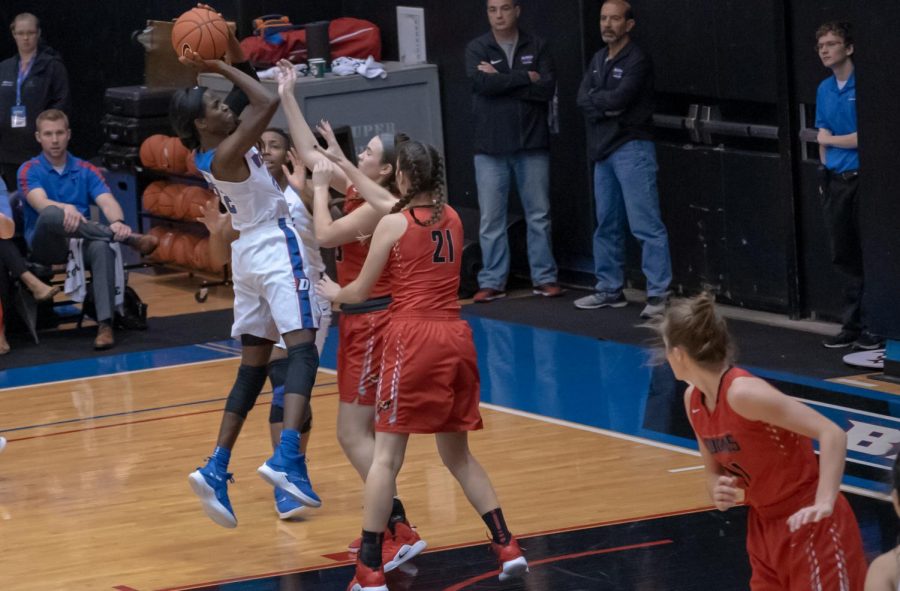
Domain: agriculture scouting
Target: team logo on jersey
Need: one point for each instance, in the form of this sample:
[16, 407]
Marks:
[617, 73]
[257, 159]
[527, 60]
[301, 284]
[726, 444]
[385, 405]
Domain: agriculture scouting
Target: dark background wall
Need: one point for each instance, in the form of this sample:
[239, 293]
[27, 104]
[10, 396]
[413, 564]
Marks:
[743, 215]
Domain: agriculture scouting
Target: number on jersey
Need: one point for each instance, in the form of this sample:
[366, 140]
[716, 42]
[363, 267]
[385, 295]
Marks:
[443, 246]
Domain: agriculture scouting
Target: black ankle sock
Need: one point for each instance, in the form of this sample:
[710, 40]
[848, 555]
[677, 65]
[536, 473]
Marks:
[398, 513]
[370, 549]
[495, 522]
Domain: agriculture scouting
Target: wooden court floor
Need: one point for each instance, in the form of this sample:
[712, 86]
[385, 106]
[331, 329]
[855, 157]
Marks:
[96, 503]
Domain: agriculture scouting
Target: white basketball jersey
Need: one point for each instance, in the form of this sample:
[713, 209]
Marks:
[253, 202]
[303, 223]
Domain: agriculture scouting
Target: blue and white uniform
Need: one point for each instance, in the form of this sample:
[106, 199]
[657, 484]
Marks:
[273, 293]
[315, 266]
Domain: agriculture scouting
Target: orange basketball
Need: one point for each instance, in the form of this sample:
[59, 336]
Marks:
[172, 156]
[202, 31]
[163, 252]
[200, 259]
[165, 202]
[180, 200]
[195, 198]
[149, 148]
[152, 194]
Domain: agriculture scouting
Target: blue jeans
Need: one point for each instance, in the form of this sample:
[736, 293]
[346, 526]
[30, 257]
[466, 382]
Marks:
[625, 188]
[531, 169]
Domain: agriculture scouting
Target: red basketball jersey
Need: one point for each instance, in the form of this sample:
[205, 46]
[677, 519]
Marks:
[425, 263]
[350, 257]
[772, 465]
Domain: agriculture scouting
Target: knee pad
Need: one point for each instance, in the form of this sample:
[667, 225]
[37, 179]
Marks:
[277, 375]
[303, 362]
[249, 383]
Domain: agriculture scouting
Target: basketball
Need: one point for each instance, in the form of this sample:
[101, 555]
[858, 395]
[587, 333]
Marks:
[152, 195]
[149, 150]
[202, 31]
[194, 198]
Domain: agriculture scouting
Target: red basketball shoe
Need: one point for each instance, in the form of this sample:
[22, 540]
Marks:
[400, 546]
[512, 562]
[367, 579]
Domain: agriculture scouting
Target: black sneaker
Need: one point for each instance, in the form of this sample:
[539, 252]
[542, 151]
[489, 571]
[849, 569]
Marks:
[841, 340]
[868, 341]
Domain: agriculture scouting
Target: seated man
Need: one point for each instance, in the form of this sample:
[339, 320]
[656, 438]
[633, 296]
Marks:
[59, 189]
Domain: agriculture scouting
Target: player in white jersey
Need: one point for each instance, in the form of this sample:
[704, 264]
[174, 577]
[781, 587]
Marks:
[272, 291]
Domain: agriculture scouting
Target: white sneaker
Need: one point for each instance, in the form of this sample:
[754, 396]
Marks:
[2, 443]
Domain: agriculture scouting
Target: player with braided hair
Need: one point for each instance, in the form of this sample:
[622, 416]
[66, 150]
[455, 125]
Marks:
[361, 325]
[429, 377]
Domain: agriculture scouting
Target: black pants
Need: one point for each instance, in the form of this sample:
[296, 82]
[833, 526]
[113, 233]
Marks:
[50, 246]
[8, 172]
[12, 266]
[840, 204]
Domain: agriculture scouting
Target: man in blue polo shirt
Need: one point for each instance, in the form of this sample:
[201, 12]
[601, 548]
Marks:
[59, 189]
[836, 120]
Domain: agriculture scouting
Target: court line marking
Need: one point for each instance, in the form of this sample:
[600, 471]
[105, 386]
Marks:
[493, 573]
[683, 450]
[590, 429]
[330, 566]
[853, 382]
[688, 469]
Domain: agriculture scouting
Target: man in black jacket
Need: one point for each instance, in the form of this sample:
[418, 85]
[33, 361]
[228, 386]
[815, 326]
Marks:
[512, 83]
[31, 82]
[616, 96]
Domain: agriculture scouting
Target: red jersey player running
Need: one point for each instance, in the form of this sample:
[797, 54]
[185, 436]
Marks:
[429, 377]
[801, 531]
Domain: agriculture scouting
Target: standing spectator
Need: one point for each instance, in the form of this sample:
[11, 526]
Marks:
[31, 81]
[512, 84]
[836, 120]
[59, 189]
[616, 96]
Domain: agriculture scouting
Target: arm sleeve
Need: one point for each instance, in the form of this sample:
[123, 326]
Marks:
[28, 179]
[583, 98]
[492, 84]
[821, 120]
[58, 97]
[236, 100]
[624, 95]
[96, 183]
[541, 91]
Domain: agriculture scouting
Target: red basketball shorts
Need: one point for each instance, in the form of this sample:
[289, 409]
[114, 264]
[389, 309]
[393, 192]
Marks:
[826, 556]
[429, 377]
[359, 355]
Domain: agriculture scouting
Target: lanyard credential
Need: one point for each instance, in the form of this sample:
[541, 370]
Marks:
[21, 79]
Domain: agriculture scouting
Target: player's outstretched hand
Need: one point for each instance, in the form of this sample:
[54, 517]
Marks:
[296, 175]
[725, 493]
[811, 514]
[212, 218]
[193, 60]
[286, 76]
[327, 288]
[324, 128]
[322, 174]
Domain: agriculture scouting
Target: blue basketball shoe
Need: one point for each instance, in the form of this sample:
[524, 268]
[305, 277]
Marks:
[211, 486]
[287, 506]
[291, 477]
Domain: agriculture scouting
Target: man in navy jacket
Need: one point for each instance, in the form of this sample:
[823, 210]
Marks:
[616, 96]
[512, 84]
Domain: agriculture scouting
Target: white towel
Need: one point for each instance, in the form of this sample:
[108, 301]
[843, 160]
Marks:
[76, 286]
[367, 68]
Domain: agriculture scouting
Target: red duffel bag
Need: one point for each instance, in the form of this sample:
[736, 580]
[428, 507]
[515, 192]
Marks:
[349, 37]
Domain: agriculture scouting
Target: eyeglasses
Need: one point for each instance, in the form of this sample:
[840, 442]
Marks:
[828, 45]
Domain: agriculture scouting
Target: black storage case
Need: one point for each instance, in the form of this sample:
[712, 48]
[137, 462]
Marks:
[131, 131]
[138, 101]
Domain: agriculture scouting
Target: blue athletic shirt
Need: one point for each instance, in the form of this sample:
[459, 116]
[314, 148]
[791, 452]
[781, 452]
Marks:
[79, 184]
[836, 112]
